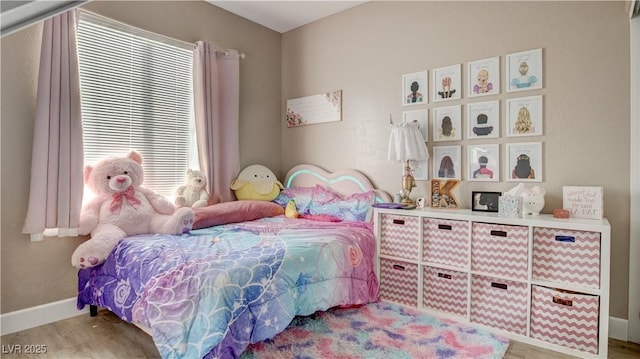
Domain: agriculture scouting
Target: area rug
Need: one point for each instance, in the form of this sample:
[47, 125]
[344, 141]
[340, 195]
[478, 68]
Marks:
[378, 330]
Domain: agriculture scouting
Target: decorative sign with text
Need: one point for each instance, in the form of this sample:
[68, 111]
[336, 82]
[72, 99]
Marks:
[326, 107]
[583, 202]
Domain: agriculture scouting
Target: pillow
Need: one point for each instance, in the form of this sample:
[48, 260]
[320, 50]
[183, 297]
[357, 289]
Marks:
[233, 212]
[355, 207]
[302, 196]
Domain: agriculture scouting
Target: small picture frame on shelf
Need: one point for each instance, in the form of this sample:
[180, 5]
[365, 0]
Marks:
[583, 201]
[485, 201]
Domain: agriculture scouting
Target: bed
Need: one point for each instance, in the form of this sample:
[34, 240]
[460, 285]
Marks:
[212, 292]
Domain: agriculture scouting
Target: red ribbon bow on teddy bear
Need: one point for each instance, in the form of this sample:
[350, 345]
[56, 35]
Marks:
[129, 194]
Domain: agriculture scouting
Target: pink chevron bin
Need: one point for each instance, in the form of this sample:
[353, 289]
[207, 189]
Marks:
[566, 256]
[500, 250]
[499, 303]
[400, 236]
[445, 291]
[567, 319]
[446, 242]
[399, 282]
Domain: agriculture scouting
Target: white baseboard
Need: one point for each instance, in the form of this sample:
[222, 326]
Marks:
[618, 328]
[40, 315]
[52, 312]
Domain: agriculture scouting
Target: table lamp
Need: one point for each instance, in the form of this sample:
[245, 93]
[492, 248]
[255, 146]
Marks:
[407, 144]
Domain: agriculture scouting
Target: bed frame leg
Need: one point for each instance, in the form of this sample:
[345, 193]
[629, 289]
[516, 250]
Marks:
[93, 310]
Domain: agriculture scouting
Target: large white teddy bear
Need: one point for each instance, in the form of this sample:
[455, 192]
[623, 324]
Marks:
[193, 194]
[123, 208]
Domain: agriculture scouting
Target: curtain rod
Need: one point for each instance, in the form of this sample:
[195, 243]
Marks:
[151, 34]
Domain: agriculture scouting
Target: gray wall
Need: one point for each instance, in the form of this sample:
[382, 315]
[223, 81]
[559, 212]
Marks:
[365, 50]
[41, 272]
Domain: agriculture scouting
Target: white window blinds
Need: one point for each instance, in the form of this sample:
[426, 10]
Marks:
[137, 93]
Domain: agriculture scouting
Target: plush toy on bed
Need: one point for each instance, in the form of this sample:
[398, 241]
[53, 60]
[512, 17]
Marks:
[256, 182]
[123, 208]
[193, 194]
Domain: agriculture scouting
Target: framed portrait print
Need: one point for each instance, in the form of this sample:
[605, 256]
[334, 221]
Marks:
[524, 70]
[420, 170]
[524, 162]
[447, 83]
[485, 201]
[483, 119]
[446, 162]
[421, 118]
[524, 116]
[483, 163]
[415, 88]
[483, 77]
[447, 123]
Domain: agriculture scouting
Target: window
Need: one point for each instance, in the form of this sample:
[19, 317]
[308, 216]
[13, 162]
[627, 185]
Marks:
[137, 93]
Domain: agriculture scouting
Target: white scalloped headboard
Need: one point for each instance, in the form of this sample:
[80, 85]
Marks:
[344, 181]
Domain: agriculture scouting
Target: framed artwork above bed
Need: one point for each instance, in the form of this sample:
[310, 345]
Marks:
[325, 107]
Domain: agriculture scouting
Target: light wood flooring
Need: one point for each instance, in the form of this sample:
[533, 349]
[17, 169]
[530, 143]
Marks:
[106, 336]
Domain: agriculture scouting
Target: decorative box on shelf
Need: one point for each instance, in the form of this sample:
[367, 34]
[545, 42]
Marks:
[510, 206]
[501, 273]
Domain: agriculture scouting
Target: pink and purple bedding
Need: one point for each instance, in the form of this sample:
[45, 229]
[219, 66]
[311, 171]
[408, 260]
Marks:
[212, 292]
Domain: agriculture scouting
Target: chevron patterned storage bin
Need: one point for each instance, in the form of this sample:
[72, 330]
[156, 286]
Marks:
[499, 303]
[400, 236]
[445, 290]
[500, 250]
[446, 242]
[567, 319]
[399, 282]
[566, 256]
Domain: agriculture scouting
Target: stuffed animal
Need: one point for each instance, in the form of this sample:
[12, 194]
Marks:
[256, 182]
[193, 194]
[121, 208]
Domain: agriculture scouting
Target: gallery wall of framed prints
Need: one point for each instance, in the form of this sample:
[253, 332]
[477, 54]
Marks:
[483, 119]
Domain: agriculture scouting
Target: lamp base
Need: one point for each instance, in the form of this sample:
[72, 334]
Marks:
[406, 199]
[407, 184]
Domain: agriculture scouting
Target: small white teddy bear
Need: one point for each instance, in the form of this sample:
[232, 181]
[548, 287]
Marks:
[193, 194]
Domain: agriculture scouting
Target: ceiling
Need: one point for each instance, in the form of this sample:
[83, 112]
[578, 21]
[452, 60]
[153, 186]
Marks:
[282, 16]
[18, 14]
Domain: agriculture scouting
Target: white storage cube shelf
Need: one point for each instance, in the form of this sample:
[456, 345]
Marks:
[537, 279]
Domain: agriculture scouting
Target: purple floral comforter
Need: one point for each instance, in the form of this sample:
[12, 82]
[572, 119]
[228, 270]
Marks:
[212, 292]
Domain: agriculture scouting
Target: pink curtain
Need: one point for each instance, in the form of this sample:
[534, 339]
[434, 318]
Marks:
[55, 198]
[216, 81]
